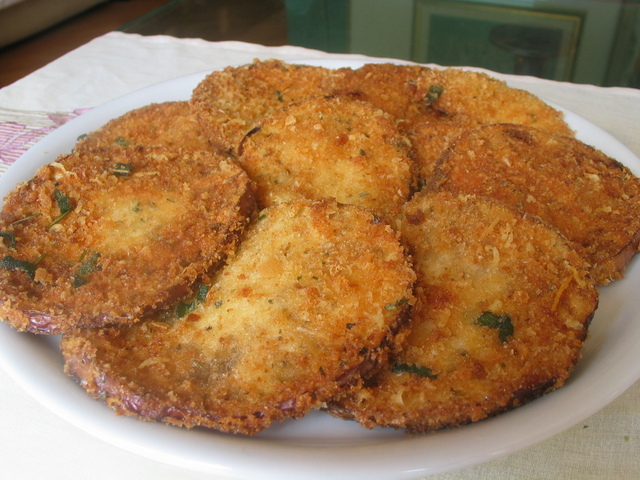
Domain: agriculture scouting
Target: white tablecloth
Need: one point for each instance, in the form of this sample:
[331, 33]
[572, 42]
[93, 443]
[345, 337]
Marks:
[36, 444]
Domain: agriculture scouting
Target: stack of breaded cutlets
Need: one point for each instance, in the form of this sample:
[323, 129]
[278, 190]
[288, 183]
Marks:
[399, 245]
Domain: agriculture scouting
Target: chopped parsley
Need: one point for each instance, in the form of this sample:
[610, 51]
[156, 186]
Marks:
[413, 369]
[122, 169]
[11, 237]
[29, 217]
[399, 303]
[64, 205]
[500, 322]
[121, 142]
[184, 309]
[435, 91]
[9, 262]
[86, 268]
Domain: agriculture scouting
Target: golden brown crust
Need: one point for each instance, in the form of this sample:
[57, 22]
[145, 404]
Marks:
[503, 305]
[590, 198]
[311, 300]
[115, 233]
[229, 103]
[315, 302]
[429, 140]
[416, 94]
[167, 124]
[330, 147]
[433, 106]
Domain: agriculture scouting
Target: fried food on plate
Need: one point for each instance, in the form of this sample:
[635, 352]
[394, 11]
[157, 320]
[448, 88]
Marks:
[167, 124]
[589, 197]
[502, 310]
[102, 237]
[330, 147]
[308, 304]
[415, 94]
[434, 105]
[429, 140]
[231, 102]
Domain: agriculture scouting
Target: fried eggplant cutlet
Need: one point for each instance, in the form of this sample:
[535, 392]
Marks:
[415, 94]
[502, 310]
[310, 302]
[429, 141]
[590, 198]
[231, 102]
[330, 147]
[167, 124]
[101, 237]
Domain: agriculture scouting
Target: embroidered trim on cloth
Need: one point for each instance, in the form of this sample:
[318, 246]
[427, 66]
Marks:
[21, 130]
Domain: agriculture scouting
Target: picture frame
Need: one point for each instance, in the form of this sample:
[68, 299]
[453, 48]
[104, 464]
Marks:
[502, 38]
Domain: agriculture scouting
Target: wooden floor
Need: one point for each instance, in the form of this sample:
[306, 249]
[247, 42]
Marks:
[24, 57]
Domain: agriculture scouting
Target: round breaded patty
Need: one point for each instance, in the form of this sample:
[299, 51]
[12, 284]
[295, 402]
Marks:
[414, 93]
[429, 140]
[310, 301]
[330, 147]
[590, 198]
[167, 124]
[102, 237]
[231, 102]
[502, 310]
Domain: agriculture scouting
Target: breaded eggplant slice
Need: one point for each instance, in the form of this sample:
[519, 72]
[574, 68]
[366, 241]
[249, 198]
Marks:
[429, 140]
[330, 148]
[415, 94]
[102, 237]
[502, 310]
[231, 102]
[167, 124]
[589, 197]
[311, 301]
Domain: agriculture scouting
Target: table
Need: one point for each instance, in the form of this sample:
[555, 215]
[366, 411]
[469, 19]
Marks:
[37, 444]
[258, 21]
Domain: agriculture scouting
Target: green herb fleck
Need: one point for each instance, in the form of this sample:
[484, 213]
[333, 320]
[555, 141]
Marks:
[626, 438]
[500, 322]
[9, 262]
[279, 95]
[11, 237]
[184, 309]
[435, 91]
[29, 217]
[64, 205]
[397, 304]
[262, 217]
[86, 268]
[424, 372]
[121, 142]
[122, 169]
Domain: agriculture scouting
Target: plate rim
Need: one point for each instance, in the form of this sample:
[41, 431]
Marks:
[334, 460]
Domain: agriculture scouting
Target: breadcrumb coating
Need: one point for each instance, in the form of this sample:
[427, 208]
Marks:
[503, 306]
[101, 237]
[330, 148]
[589, 197]
[310, 302]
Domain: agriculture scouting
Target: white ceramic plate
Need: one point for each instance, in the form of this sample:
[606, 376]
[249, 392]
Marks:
[319, 446]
